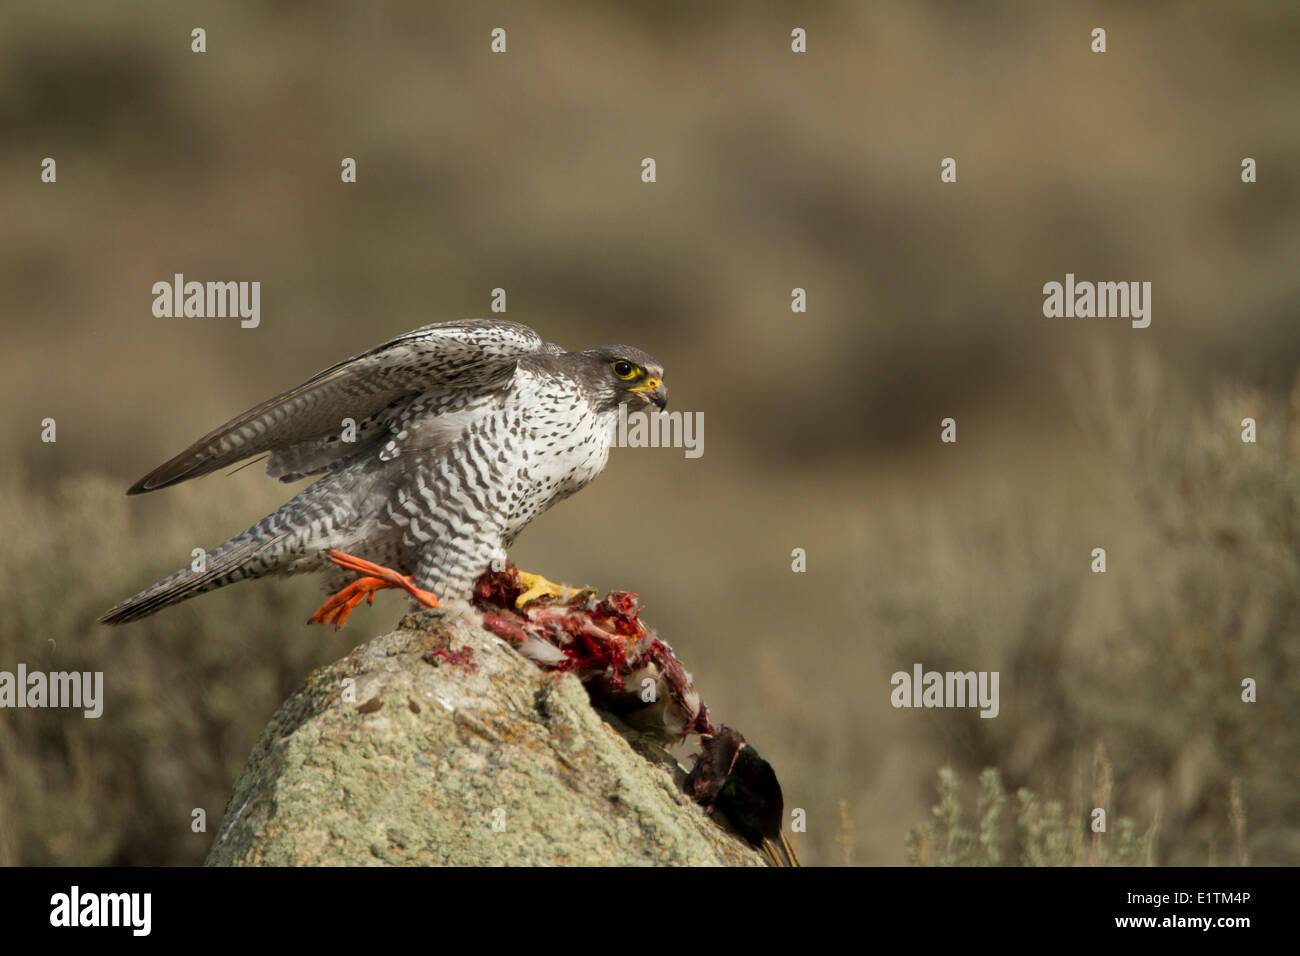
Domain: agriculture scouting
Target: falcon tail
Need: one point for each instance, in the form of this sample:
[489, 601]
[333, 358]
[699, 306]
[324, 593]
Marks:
[239, 559]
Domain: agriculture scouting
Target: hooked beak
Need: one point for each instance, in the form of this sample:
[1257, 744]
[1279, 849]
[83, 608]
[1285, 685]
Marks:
[653, 391]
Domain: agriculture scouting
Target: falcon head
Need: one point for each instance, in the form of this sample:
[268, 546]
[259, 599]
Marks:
[620, 373]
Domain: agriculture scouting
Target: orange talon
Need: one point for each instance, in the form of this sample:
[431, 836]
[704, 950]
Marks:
[336, 610]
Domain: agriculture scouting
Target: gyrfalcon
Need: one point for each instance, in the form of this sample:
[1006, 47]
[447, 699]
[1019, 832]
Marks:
[436, 449]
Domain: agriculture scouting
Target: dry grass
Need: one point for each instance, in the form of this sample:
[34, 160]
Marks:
[1041, 833]
[185, 693]
[1148, 660]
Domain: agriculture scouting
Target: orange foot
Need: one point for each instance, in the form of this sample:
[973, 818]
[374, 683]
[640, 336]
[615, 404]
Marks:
[336, 610]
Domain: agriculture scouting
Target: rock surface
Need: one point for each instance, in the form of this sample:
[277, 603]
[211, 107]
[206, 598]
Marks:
[434, 759]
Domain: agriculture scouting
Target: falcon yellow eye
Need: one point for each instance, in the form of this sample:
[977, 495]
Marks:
[625, 370]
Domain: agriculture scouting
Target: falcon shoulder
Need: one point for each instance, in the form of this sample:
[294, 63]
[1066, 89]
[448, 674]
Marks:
[296, 426]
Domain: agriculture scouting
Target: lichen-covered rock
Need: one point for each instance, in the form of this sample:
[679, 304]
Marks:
[448, 748]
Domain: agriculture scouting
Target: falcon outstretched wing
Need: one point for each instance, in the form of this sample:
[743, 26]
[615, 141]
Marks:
[470, 353]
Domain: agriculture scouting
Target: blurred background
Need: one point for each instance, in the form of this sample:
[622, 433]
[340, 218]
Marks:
[775, 170]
